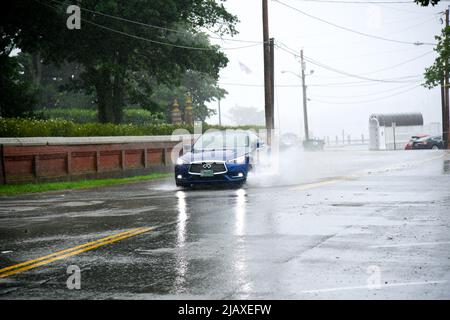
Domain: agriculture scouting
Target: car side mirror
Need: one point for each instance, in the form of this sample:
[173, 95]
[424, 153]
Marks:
[259, 145]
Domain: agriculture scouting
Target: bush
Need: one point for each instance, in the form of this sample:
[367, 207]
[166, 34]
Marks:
[130, 115]
[141, 116]
[18, 127]
[75, 115]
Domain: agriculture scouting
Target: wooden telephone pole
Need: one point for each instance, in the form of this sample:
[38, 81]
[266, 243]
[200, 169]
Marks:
[445, 98]
[305, 109]
[268, 77]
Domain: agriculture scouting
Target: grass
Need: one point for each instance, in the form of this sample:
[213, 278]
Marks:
[17, 189]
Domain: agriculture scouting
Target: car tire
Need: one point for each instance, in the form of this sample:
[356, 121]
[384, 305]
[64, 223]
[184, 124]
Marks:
[435, 147]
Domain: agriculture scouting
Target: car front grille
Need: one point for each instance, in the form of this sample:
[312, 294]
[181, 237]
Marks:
[217, 168]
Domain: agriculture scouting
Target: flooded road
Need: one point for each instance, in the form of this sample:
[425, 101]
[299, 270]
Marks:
[331, 224]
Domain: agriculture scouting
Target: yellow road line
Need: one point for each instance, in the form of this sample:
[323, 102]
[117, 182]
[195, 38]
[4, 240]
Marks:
[316, 184]
[67, 250]
[21, 267]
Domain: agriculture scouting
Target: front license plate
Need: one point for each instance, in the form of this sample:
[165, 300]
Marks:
[206, 173]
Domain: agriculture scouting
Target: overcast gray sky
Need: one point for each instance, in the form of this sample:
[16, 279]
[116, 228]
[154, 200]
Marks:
[333, 108]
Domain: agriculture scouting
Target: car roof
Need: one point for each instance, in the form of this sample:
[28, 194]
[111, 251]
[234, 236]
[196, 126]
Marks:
[229, 131]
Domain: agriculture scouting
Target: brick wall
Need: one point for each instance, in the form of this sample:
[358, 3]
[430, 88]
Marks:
[62, 159]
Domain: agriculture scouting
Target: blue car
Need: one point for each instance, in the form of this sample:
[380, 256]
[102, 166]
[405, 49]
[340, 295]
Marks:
[220, 157]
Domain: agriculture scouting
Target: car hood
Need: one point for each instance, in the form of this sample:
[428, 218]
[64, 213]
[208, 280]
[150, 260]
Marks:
[216, 155]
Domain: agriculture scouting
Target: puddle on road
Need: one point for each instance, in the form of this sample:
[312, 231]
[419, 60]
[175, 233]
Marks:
[446, 168]
[165, 187]
[17, 209]
[156, 251]
[80, 203]
[348, 204]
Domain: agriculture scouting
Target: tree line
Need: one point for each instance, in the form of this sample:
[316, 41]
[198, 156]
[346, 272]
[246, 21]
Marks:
[126, 53]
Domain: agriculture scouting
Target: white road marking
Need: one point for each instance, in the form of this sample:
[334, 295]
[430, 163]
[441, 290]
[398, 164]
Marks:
[411, 244]
[383, 286]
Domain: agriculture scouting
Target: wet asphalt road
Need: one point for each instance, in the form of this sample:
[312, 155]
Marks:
[326, 225]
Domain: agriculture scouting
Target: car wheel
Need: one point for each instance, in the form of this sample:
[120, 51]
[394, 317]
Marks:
[435, 147]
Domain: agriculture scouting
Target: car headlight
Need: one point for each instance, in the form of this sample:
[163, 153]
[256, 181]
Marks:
[239, 160]
[181, 161]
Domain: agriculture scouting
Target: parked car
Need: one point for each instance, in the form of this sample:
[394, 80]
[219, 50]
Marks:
[413, 139]
[313, 144]
[434, 142]
[221, 157]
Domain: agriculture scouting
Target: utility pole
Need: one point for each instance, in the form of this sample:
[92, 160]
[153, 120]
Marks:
[305, 110]
[446, 113]
[220, 113]
[272, 79]
[394, 126]
[267, 76]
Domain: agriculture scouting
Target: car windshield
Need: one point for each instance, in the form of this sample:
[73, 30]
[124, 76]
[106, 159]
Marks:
[423, 139]
[222, 141]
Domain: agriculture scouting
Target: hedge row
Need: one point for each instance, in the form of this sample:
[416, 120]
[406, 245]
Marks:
[17, 127]
[130, 115]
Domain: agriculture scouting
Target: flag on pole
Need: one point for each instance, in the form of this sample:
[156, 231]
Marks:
[244, 68]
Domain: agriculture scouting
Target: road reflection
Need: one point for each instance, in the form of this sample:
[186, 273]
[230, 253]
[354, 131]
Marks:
[241, 207]
[239, 262]
[181, 262]
[446, 168]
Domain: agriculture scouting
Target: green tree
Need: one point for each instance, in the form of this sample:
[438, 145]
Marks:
[18, 95]
[425, 3]
[435, 73]
[57, 86]
[111, 50]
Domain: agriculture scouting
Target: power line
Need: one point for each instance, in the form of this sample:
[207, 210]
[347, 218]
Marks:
[394, 80]
[357, 2]
[338, 43]
[366, 101]
[213, 48]
[399, 64]
[396, 65]
[415, 85]
[165, 43]
[372, 53]
[400, 9]
[363, 95]
[354, 84]
[319, 64]
[366, 2]
[351, 30]
[336, 84]
[291, 51]
[415, 25]
[156, 27]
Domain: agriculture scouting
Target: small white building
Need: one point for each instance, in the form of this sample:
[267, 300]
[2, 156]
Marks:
[393, 131]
